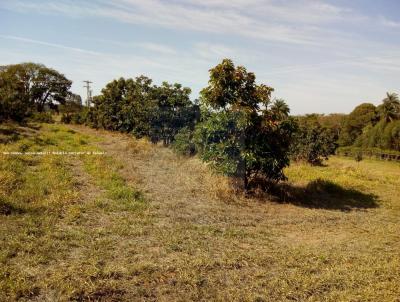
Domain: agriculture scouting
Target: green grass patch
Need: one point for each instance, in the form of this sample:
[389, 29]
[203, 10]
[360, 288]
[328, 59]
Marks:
[47, 216]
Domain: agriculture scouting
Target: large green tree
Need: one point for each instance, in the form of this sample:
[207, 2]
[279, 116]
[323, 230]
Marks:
[139, 107]
[173, 111]
[359, 118]
[244, 133]
[30, 87]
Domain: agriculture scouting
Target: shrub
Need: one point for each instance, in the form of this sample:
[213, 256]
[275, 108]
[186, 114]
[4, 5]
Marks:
[66, 118]
[359, 156]
[313, 143]
[184, 142]
[42, 117]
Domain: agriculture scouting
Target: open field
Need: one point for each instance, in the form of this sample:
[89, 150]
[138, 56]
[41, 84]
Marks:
[141, 223]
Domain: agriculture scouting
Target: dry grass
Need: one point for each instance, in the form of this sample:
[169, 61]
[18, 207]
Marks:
[92, 236]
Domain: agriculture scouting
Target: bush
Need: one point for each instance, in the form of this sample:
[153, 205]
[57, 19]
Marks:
[313, 144]
[184, 143]
[359, 156]
[42, 117]
[66, 119]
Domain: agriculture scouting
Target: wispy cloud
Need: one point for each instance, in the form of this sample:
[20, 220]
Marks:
[384, 62]
[156, 47]
[60, 46]
[299, 22]
[389, 23]
[314, 52]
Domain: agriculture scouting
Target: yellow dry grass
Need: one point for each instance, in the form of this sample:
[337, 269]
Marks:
[142, 223]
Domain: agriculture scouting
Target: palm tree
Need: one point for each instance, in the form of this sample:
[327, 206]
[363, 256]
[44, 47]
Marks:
[280, 109]
[389, 110]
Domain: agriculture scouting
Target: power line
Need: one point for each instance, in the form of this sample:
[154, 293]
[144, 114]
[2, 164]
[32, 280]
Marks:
[88, 92]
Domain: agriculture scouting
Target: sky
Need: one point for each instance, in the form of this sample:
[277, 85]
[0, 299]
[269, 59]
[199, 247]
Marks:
[321, 56]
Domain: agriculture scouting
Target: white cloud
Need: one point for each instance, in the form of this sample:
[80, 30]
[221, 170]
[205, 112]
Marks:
[312, 52]
[389, 23]
[156, 47]
[269, 20]
[75, 49]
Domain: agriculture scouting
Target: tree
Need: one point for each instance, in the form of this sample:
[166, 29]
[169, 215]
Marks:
[138, 107]
[313, 142]
[14, 101]
[28, 86]
[72, 109]
[245, 134]
[173, 111]
[389, 110]
[360, 117]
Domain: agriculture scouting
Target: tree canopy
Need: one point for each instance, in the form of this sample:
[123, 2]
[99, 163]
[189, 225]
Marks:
[29, 87]
[243, 133]
[139, 107]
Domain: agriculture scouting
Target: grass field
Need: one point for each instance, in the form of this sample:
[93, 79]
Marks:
[140, 223]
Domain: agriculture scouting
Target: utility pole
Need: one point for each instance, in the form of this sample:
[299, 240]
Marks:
[88, 92]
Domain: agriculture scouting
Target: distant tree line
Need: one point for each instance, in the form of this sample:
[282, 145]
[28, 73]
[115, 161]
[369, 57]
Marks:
[368, 130]
[370, 126]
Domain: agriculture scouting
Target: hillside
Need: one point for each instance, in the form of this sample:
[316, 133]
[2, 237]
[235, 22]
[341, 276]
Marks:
[141, 223]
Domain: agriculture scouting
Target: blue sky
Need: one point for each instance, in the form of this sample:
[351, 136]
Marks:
[320, 56]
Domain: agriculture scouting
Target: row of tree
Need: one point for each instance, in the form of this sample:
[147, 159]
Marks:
[235, 125]
[143, 109]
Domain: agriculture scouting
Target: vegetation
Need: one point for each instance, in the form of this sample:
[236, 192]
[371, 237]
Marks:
[138, 107]
[313, 142]
[72, 110]
[244, 134]
[374, 127]
[90, 215]
[29, 87]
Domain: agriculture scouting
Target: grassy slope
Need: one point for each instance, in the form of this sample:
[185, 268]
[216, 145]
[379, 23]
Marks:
[76, 228]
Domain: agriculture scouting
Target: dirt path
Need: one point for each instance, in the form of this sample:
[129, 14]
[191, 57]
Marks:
[181, 190]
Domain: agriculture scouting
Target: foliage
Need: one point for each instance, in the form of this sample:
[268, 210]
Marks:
[173, 110]
[29, 87]
[359, 118]
[42, 117]
[14, 102]
[138, 107]
[184, 142]
[389, 110]
[384, 135]
[313, 142]
[245, 134]
[72, 110]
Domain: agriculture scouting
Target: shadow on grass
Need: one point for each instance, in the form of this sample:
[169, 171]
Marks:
[13, 132]
[7, 208]
[324, 194]
[9, 135]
